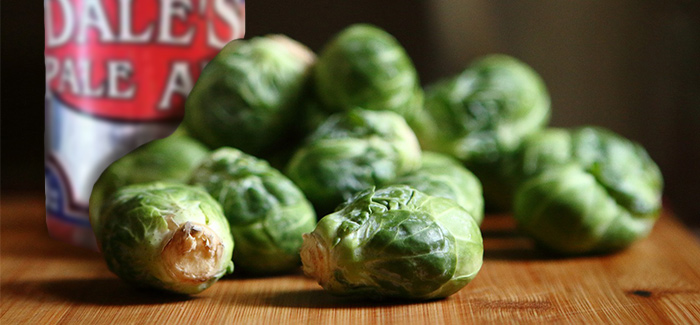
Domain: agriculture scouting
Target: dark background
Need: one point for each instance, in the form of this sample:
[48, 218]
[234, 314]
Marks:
[631, 66]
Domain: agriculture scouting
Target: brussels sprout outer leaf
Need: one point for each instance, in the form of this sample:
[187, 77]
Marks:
[168, 236]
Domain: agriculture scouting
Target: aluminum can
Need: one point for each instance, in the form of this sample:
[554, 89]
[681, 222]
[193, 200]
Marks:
[117, 76]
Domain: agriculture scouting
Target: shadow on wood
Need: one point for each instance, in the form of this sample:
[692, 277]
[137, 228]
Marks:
[317, 298]
[108, 292]
[240, 274]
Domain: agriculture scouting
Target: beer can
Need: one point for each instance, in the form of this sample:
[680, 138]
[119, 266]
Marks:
[117, 76]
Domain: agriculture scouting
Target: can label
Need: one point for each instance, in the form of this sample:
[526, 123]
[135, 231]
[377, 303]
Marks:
[117, 76]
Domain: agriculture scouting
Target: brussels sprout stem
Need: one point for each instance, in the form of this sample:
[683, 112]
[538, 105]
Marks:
[193, 254]
[314, 257]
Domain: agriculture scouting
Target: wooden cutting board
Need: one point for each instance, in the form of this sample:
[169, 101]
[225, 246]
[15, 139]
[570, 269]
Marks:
[655, 281]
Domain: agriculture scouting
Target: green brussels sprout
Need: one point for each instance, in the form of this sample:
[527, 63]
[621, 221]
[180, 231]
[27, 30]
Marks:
[353, 151]
[443, 176]
[364, 66]
[246, 96]
[586, 191]
[268, 213]
[169, 159]
[395, 242]
[480, 117]
[167, 236]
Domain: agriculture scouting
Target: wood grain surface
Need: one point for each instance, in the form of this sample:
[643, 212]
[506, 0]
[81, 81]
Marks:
[657, 280]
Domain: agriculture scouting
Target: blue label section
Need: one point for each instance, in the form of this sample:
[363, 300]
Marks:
[57, 201]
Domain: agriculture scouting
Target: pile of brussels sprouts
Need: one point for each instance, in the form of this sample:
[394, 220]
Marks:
[343, 164]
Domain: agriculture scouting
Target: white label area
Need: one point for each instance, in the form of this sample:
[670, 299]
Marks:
[83, 145]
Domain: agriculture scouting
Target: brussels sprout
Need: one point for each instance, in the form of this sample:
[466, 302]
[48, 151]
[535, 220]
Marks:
[442, 176]
[586, 191]
[480, 117]
[364, 66]
[353, 151]
[266, 211]
[168, 236]
[246, 96]
[394, 242]
[169, 159]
